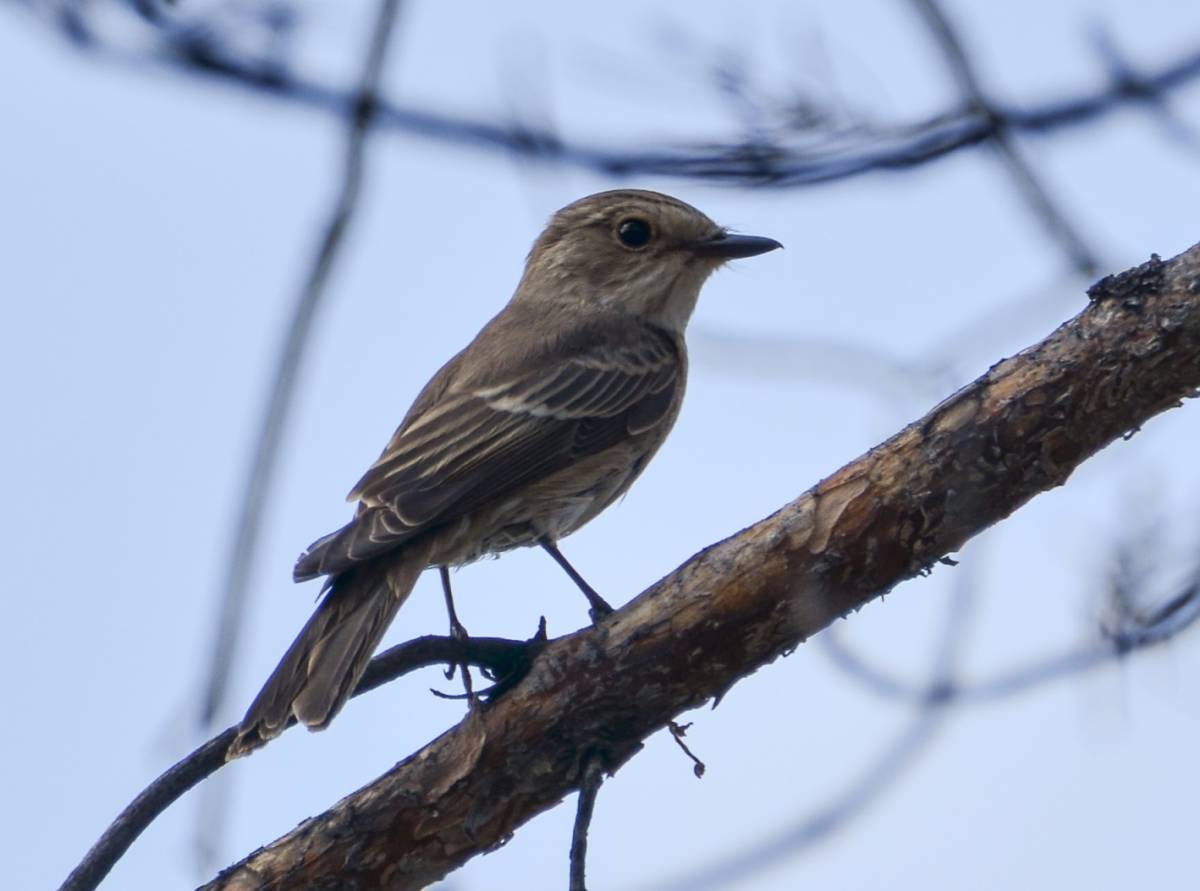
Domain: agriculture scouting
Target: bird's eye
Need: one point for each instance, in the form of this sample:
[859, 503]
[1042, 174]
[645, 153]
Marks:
[634, 232]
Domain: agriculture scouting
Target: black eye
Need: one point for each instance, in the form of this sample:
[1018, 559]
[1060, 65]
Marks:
[634, 232]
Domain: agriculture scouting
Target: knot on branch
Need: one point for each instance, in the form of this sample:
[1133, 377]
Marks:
[1132, 286]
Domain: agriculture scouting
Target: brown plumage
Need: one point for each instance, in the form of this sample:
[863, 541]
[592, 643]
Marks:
[539, 424]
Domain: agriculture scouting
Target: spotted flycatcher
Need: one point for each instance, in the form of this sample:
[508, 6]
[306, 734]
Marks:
[544, 420]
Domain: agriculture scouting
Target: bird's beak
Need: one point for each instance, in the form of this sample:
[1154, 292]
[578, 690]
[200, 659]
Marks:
[726, 246]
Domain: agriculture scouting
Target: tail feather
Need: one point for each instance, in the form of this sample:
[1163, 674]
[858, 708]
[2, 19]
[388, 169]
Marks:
[323, 665]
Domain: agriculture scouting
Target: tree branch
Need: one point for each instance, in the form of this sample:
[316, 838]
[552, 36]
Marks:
[1018, 430]
[593, 776]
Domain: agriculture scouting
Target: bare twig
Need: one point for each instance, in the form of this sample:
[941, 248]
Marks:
[1027, 182]
[508, 660]
[589, 786]
[678, 732]
[144, 809]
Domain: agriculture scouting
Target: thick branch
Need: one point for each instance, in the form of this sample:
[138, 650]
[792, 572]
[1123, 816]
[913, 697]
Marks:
[1019, 430]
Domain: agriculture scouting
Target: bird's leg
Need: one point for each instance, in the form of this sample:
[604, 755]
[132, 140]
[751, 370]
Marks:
[457, 631]
[600, 607]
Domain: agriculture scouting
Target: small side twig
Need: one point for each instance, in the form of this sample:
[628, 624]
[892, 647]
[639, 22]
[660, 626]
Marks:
[678, 732]
[593, 776]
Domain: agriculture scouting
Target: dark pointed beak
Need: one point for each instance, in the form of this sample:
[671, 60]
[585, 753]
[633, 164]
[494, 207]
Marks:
[727, 246]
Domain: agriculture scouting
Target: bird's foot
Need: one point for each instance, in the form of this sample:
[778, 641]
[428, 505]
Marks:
[510, 669]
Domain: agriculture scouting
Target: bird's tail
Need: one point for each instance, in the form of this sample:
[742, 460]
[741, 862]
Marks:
[328, 657]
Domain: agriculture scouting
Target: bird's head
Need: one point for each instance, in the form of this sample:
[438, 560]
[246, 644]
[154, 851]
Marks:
[630, 251]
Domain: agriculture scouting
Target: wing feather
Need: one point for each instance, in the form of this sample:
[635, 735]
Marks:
[472, 445]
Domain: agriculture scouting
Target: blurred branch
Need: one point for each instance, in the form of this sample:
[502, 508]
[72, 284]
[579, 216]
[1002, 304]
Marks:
[209, 48]
[260, 475]
[507, 660]
[1020, 429]
[781, 359]
[1128, 81]
[1000, 138]
[900, 383]
[1116, 641]
[1125, 625]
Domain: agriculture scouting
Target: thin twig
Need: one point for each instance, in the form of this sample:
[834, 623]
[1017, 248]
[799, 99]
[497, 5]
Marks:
[143, 810]
[1027, 182]
[678, 732]
[508, 659]
[1123, 635]
[593, 776]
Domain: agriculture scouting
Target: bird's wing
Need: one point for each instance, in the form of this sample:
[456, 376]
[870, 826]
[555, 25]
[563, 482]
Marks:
[474, 445]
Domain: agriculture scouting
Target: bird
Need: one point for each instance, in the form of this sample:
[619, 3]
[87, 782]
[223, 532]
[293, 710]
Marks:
[539, 424]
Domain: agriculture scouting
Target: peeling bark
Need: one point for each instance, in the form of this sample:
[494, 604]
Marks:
[1018, 430]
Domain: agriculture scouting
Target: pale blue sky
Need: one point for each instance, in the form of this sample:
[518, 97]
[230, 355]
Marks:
[154, 230]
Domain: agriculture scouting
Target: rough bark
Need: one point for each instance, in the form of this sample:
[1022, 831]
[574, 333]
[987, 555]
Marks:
[1018, 430]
